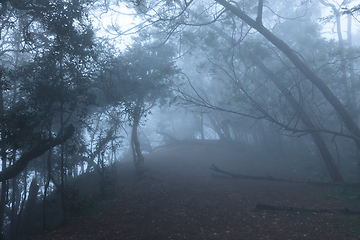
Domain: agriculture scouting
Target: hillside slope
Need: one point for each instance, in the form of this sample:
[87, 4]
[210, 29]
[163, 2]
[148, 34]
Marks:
[180, 198]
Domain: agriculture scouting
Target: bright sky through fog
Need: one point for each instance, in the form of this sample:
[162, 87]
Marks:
[329, 30]
[119, 22]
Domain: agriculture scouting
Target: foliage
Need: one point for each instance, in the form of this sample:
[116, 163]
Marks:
[143, 73]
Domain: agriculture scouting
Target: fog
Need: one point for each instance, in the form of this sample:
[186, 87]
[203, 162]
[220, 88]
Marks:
[179, 119]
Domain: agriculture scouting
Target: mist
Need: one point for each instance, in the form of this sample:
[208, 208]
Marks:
[179, 120]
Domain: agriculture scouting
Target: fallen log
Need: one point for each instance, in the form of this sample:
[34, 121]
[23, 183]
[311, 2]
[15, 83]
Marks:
[241, 176]
[264, 206]
[270, 178]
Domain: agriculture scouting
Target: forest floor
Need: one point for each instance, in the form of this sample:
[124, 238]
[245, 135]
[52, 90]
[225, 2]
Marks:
[180, 198]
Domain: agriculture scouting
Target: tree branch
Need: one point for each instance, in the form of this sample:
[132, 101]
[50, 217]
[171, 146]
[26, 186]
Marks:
[260, 11]
[37, 151]
[302, 67]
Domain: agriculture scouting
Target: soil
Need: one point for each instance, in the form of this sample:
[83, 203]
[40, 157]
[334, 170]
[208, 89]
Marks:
[180, 198]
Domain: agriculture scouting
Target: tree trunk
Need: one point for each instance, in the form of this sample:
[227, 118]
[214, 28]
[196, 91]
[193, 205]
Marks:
[21, 234]
[16, 194]
[226, 130]
[47, 183]
[324, 151]
[202, 126]
[3, 160]
[216, 127]
[302, 67]
[135, 144]
[62, 167]
[15, 201]
[344, 79]
[352, 76]
[30, 207]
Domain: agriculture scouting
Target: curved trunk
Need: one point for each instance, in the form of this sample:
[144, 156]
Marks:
[302, 67]
[324, 151]
[319, 141]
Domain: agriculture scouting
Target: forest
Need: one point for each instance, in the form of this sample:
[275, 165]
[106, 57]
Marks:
[89, 86]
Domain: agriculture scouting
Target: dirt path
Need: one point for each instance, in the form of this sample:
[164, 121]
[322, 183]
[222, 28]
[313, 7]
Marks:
[180, 199]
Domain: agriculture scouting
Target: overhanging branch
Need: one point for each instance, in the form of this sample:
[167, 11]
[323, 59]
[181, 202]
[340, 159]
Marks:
[37, 151]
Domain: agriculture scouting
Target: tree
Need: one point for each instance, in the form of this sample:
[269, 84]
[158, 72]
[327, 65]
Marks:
[138, 80]
[299, 64]
[57, 81]
[252, 19]
[38, 38]
[308, 123]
